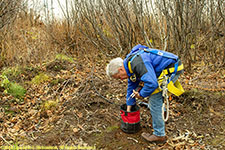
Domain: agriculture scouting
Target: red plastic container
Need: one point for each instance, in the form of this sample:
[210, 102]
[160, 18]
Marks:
[130, 121]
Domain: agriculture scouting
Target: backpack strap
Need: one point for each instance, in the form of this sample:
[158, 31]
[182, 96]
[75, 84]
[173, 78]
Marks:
[153, 51]
[158, 52]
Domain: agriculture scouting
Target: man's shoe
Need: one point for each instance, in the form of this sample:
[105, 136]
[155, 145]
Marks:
[154, 138]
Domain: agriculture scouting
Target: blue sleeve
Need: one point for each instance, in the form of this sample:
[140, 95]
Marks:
[150, 81]
[130, 88]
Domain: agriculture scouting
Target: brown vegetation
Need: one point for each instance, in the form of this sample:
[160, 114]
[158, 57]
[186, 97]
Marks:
[193, 30]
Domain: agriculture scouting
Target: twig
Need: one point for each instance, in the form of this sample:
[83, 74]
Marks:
[76, 116]
[92, 74]
[74, 94]
[178, 144]
[81, 85]
[5, 140]
[130, 138]
[198, 75]
[65, 84]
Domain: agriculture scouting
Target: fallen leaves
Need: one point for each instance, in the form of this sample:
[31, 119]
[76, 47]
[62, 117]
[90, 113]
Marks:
[80, 126]
[75, 130]
[204, 78]
[185, 140]
[216, 113]
[69, 106]
[41, 107]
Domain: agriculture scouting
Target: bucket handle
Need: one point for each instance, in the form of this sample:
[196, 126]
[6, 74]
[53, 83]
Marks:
[123, 112]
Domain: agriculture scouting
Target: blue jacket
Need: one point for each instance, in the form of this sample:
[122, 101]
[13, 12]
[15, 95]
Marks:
[147, 67]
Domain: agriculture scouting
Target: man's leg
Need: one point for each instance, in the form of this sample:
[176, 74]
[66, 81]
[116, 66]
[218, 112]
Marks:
[155, 106]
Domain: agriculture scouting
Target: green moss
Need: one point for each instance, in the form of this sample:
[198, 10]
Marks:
[38, 79]
[47, 105]
[111, 128]
[64, 58]
[107, 130]
[57, 81]
[16, 90]
[12, 88]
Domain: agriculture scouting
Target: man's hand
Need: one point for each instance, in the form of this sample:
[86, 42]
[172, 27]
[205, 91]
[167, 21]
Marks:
[137, 95]
[129, 108]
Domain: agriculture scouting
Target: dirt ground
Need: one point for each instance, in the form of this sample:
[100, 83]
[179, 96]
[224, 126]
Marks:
[194, 124]
[83, 115]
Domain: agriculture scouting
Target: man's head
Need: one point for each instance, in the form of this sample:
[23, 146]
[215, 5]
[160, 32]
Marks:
[116, 69]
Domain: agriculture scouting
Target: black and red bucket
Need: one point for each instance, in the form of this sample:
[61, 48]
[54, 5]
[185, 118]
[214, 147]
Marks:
[130, 121]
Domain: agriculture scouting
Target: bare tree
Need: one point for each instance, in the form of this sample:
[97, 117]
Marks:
[8, 9]
[192, 29]
[107, 25]
[8, 12]
[116, 26]
[191, 24]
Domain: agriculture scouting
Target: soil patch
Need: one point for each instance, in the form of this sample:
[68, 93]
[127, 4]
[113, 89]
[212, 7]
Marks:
[73, 109]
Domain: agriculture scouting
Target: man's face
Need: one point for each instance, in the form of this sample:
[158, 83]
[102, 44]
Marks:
[122, 74]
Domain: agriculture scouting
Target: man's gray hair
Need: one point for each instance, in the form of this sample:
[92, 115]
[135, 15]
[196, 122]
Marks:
[113, 66]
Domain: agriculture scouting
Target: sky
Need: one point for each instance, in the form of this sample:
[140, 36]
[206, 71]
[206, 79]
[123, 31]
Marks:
[41, 6]
[55, 6]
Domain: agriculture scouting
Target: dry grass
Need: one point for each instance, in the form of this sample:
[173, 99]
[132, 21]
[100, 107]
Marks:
[29, 40]
[26, 42]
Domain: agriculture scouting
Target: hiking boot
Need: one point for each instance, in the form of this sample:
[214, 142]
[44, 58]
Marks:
[154, 138]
